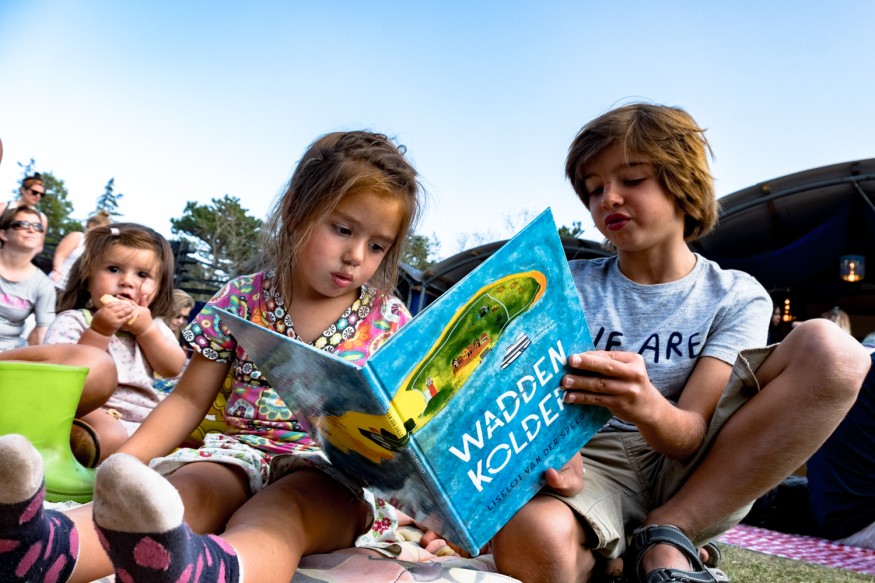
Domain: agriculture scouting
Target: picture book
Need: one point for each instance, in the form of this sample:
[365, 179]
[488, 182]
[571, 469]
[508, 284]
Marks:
[456, 417]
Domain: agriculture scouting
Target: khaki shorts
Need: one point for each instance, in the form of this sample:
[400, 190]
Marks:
[625, 478]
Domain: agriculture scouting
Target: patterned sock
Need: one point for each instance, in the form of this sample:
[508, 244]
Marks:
[138, 515]
[35, 544]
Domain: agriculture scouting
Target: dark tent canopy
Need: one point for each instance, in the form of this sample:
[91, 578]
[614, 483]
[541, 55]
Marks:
[791, 232]
[420, 288]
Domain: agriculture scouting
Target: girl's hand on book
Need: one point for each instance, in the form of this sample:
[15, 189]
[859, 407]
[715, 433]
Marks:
[438, 546]
[614, 379]
[435, 544]
[568, 480]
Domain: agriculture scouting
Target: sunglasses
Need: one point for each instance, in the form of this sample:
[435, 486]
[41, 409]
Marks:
[39, 192]
[22, 225]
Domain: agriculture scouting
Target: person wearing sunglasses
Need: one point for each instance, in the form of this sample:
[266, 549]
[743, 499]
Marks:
[30, 194]
[24, 289]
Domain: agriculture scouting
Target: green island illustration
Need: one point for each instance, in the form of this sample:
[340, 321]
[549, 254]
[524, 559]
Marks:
[465, 342]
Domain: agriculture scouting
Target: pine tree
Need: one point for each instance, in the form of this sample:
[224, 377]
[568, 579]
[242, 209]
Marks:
[109, 200]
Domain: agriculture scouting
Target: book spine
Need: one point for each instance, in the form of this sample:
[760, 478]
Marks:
[384, 402]
[451, 524]
[458, 531]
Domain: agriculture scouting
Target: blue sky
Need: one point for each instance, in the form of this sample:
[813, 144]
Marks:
[185, 100]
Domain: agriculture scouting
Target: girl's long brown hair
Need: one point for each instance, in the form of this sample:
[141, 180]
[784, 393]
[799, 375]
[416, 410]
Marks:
[334, 166]
[98, 240]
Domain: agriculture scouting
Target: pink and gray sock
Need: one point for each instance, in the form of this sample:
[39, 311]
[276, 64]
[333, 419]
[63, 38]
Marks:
[35, 544]
[138, 515]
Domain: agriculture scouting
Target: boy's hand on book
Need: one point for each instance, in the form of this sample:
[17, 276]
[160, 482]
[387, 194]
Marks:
[568, 480]
[614, 379]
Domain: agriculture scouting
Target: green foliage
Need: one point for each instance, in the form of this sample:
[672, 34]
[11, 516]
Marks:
[26, 170]
[224, 235]
[575, 230]
[109, 200]
[419, 250]
[57, 208]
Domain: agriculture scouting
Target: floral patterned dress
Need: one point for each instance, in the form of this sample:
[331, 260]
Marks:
[261, 429]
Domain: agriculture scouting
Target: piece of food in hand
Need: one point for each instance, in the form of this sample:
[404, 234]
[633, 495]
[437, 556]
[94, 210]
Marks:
[107, 298]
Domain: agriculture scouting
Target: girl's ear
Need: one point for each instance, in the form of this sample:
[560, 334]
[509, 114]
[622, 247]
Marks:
[2, 235]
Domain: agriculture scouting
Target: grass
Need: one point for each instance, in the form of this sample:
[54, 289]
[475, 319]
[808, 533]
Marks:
[744, 566]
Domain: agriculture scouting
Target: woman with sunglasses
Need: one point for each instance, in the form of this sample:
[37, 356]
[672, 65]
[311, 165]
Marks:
[24, 289]
[31, 192]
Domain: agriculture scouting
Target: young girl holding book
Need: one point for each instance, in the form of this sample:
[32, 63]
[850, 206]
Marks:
[333, 243]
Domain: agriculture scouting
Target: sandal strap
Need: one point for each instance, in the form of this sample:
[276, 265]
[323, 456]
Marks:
[715, 555]
[645, 537]
[679, 576]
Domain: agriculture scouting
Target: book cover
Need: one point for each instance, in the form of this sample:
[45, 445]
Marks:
[457, 416]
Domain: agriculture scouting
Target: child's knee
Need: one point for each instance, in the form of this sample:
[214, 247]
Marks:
[101, 381]
[101, 367]
[824, 352]
[544, 519]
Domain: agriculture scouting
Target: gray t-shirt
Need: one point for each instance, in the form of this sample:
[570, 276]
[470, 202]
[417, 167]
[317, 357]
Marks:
[19, 299]
[709, 312]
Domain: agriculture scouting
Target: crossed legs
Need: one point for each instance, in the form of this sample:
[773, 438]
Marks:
[808, 383]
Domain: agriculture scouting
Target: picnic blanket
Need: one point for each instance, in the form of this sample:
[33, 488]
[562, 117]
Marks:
[408, 563]
[413, 564]
[801, 548]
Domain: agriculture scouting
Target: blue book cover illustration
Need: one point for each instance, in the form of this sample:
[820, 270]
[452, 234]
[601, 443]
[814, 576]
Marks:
[457, 416]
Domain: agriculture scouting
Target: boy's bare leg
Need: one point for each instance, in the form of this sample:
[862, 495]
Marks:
[542, 543]
[808, 384]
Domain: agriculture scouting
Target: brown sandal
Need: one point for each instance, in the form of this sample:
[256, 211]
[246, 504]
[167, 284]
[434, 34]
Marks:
[84, 444]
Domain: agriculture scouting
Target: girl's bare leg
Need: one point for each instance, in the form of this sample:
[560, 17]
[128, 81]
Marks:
[302, 513]
[210, 493]
[111, 434]
[318, 516]
[43, 544]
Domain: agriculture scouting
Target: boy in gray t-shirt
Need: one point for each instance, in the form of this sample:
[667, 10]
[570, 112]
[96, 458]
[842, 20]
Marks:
[706, 418]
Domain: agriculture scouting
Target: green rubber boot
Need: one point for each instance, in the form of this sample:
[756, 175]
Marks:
[39, 402]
